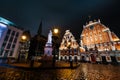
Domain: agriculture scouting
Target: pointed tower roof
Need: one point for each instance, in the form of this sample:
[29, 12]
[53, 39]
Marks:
[40, 29]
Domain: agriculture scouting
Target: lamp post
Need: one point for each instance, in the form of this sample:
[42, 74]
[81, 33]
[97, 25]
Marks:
[22, 48]
[70, 59]
[24, 37]
[55, 37]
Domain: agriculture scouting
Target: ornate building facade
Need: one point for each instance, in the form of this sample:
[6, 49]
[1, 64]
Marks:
[99, 43]
[97, 34]
[69, 48]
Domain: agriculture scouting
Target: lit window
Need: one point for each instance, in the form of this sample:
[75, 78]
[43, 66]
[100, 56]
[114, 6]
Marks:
[95, 39]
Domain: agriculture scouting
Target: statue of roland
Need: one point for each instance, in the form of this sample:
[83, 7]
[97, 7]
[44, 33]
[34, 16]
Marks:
[50, 37]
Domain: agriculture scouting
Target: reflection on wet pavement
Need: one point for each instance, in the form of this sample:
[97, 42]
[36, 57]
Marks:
[99, 72]
[85, 71]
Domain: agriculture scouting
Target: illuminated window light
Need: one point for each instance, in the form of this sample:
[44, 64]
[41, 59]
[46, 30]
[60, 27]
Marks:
[2, 25]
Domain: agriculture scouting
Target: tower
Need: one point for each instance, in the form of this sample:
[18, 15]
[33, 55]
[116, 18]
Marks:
[40, 29]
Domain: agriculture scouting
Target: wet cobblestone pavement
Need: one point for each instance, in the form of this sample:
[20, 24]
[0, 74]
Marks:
[85, 71]
[99, 72]
[48, 74]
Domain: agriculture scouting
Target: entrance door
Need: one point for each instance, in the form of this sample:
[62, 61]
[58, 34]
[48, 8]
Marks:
[82, 58]
[61, 58]
[104, 60]
[65, 58]
[93, 58]
[114, 61]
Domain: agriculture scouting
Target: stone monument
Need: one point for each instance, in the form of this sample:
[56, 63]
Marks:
[48, 47]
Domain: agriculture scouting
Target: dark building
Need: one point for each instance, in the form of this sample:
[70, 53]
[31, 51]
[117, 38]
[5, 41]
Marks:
[24, 46]
[37, 44]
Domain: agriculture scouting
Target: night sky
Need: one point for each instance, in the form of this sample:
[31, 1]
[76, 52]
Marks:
[66, 14]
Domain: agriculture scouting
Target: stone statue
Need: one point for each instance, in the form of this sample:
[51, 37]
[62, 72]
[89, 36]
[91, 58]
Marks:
[50, 37]
[48, 47]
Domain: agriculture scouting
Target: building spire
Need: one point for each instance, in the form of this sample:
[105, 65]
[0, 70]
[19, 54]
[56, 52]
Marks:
[40, 28]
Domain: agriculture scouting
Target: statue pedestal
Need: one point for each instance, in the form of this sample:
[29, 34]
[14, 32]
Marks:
[48, 48]
[48, 51]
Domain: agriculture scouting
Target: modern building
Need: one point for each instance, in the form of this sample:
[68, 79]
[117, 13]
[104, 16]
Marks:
[69, 48]
[9, 39]
[98, 38]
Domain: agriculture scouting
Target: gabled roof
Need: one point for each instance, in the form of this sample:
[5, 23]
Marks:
[114, 37]
[68, 38]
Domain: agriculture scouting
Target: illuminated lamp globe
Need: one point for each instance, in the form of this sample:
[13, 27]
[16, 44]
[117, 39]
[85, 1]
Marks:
[56, 30]
[69, 43]
[24, 37]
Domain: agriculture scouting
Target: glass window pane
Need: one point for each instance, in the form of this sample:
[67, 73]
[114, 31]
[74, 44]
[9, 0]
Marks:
[8, 32]
[6, 38]
[8, 46]
[11, 38]
[1, 51]
[17, 34]
[13, 33]
[15, 40]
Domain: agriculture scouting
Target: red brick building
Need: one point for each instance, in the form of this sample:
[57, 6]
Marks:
[99, 35]
[99, 44]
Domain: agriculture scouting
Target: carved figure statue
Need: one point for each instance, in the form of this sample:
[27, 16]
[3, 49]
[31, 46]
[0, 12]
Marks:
[50, 37]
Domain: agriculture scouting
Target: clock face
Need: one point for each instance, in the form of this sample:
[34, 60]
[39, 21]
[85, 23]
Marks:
[3, 27]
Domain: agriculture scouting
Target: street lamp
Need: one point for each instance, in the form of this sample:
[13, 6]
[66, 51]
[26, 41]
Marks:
[22, 48]
[24, 37]
[56, 30]
[55, 37]
[70, 59]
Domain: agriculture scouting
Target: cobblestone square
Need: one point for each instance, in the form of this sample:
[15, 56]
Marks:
[86, 71]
